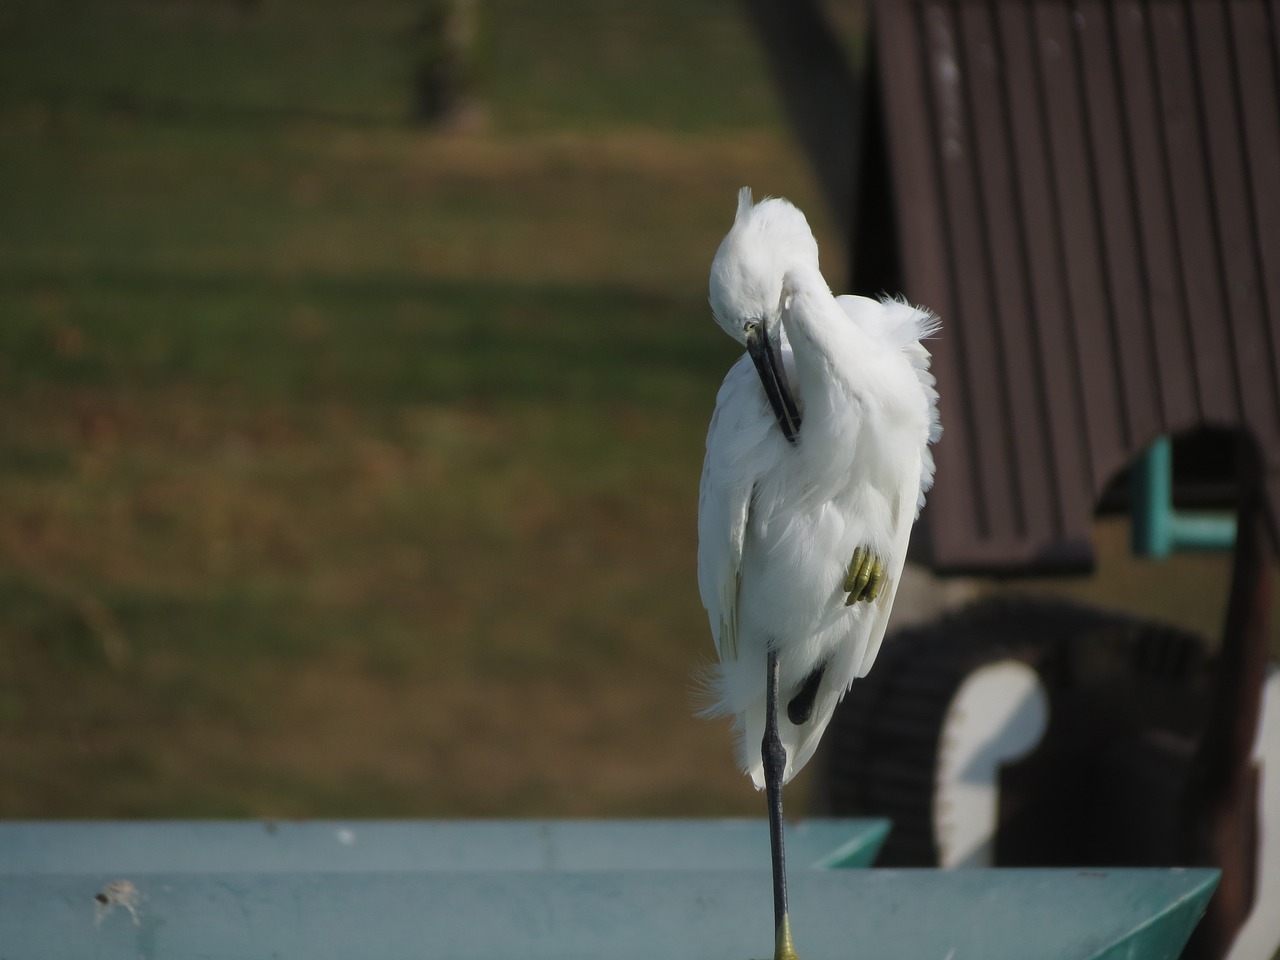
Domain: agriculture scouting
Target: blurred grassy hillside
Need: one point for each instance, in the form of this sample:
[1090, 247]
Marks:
[348, 468]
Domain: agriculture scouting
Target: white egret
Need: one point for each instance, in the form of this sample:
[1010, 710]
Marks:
[817, 463]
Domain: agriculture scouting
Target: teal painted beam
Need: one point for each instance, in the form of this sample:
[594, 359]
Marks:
[421, 846]
[1157, 528]
[603, 915]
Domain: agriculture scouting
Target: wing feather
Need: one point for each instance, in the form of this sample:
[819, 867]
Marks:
[906, 510]
[904, 326]
[725, 497]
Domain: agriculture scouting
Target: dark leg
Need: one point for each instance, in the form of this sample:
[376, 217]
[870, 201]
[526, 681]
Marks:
[774, 756]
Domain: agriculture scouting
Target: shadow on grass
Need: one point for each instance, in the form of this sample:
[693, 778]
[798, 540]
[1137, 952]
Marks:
[391, 337]
[238, 116]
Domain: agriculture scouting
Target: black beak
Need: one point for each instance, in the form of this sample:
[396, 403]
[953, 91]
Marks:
[765, 355]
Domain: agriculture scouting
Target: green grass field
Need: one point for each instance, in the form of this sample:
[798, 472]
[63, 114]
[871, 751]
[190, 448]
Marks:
[349, 468]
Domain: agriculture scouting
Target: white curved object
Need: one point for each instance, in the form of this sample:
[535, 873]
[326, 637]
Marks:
[997, 716]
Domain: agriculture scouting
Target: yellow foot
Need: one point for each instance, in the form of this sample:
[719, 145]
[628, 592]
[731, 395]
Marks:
[783, 948]
[865, 577]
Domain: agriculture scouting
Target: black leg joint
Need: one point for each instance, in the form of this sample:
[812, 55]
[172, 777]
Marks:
[774, 755]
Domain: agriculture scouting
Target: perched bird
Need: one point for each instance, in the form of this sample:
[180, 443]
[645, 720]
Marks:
[817, 464]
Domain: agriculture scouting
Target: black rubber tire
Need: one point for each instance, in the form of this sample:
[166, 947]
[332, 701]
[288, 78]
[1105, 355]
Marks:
[1128, 677]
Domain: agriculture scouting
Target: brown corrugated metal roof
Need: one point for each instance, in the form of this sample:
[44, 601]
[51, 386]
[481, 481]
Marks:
[1088, 193]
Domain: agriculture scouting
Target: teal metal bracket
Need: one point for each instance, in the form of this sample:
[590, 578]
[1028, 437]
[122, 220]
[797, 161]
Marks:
[1159, 529]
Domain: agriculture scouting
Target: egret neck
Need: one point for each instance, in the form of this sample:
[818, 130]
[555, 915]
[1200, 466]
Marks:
[829, 351]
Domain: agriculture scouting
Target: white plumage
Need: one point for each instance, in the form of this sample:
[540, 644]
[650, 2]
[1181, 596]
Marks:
[778, 522]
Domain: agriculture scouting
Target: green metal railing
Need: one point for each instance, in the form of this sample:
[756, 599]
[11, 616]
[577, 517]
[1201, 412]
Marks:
[592, 890]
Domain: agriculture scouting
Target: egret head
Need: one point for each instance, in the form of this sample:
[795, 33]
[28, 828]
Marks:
[767, 240]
